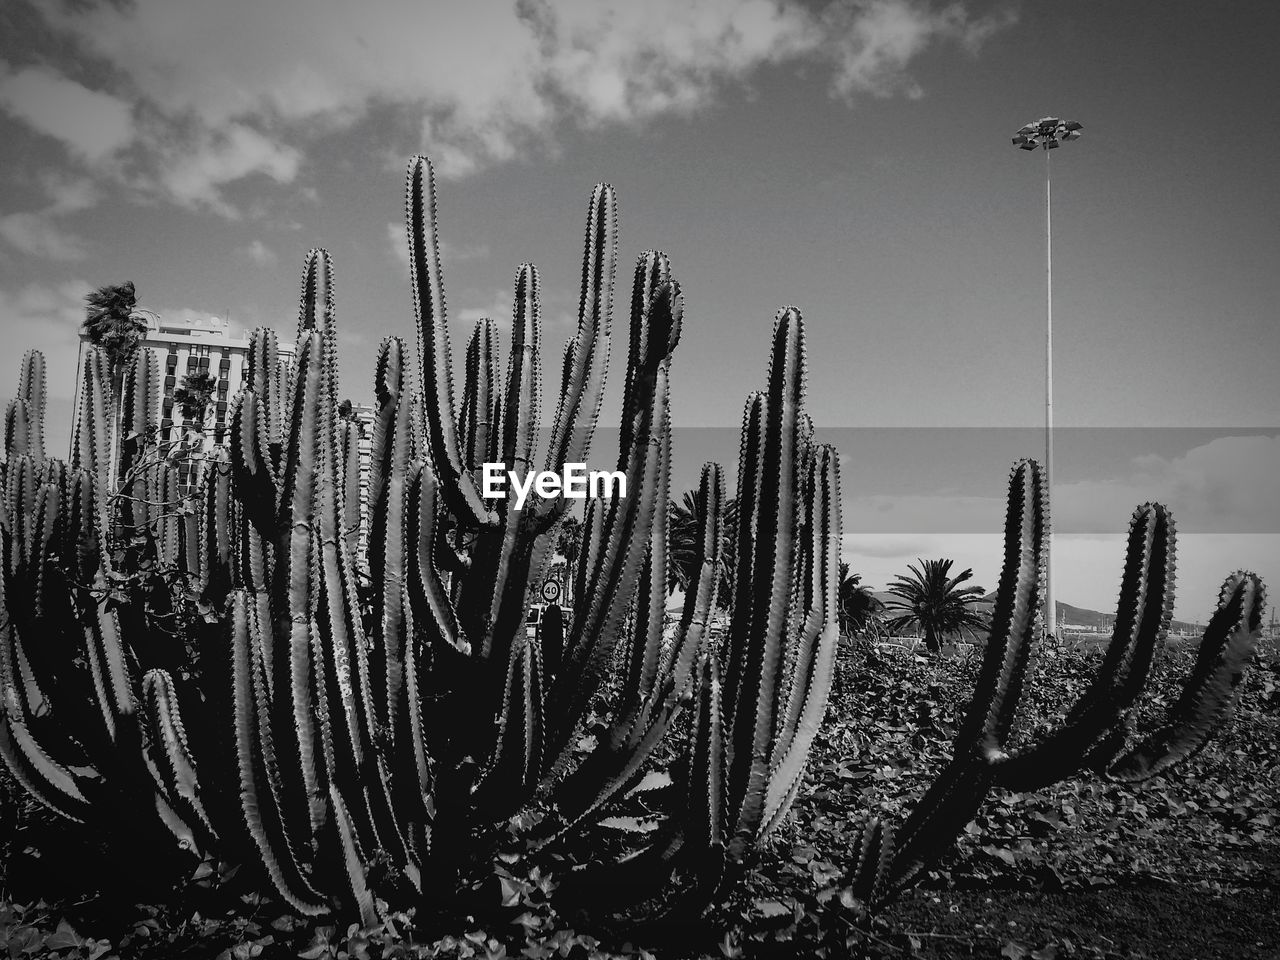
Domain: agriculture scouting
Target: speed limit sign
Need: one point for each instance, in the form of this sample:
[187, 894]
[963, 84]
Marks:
[551, 591]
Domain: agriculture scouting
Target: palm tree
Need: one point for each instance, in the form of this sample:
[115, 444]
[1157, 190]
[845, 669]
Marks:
[113, 323]
[933, 602]
[193, 395]
[858, 605]
[684, 520]
[568, 543]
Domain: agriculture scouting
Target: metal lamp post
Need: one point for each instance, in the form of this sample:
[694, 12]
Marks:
[1047, 134]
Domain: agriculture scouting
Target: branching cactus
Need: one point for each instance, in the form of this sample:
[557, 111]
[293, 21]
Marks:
[1096, 734]
[364, 725]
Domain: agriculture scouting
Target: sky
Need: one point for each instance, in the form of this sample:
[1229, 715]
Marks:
[851, 157]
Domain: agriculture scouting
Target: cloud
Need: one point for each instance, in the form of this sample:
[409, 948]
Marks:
[201, 95]
[37, 235]
[260, 253]
[1227, 485]
[92, 124]
[37, 232]
[193, 169]
[874, 42]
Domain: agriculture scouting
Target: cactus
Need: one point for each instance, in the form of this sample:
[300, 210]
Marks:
[406, 715]
[367, 691]
[1095, 733]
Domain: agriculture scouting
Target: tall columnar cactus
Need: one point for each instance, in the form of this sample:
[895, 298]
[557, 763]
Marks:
[370, 708]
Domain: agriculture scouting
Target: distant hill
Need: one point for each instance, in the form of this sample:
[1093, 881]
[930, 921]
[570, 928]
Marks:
[1071, 616]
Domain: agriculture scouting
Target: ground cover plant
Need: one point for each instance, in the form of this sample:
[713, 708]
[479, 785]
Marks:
[346, 725]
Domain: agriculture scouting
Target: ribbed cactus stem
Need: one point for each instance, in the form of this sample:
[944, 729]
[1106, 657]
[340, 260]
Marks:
[457, 484]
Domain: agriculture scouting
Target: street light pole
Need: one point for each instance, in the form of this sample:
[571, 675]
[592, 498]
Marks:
[1048, 133]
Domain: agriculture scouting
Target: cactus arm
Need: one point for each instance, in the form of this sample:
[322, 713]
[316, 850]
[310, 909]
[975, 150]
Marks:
[45, 778]
[1018, 599]
[522, 400]
[814, 664]
[586, 366]
[1210, 691]
[217, 529]
[651, 598]
[33, 393]
[677, 670]
[954, 797]
[388, 549]
[110, 671]
[388, 385]
[705, 786]
[353, 861]
[771, 574]
[503, 553]
[456, 482]
[750, 458]
[427, 594]
[349, 460]
[1142, 620]
[475, 424]
[256, 762]
[651, 271]
[170, 757]
[871, 874]
[91, 436]
[17, 428]
[516, 764]
[594, 634]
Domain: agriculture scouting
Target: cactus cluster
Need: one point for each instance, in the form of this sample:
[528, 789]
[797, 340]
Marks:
[364, 724]
[334, 679]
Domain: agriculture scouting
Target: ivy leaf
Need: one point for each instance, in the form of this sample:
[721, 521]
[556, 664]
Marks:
[64, 938]
[772, 908]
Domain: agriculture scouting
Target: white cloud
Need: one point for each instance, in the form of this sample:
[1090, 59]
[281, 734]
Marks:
[37, 235]
[875, 41]
[209, 93]
[193, 170]
[91, 123]
[260, 253]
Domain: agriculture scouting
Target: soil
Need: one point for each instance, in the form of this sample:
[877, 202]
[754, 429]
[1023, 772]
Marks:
[1147, 919]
